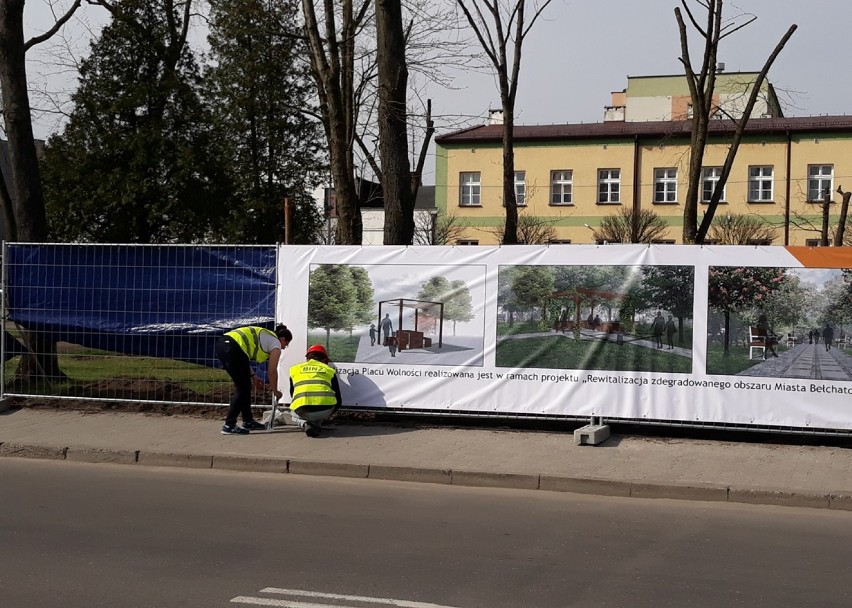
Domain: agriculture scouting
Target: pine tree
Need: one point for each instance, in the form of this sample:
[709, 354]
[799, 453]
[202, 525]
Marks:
[138, 160]
[260, 86]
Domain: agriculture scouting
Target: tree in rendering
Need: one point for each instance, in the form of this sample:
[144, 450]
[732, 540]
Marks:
[340, 298]
[669, 288]
[736, 289]
[455, 295]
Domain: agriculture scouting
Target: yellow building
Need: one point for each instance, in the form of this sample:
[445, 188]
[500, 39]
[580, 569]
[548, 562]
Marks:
[573, 175]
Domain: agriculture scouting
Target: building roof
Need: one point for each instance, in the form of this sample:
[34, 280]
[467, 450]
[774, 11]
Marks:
[653, 129]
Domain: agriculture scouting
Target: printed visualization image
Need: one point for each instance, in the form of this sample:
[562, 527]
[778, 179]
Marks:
[619, 318]
[787, 323]
[398, 313]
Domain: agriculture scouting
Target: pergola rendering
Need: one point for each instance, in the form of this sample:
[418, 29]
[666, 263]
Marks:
[579, 295]
[409, 337]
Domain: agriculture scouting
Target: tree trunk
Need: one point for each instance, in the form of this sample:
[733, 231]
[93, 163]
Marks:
[510, 232]
[841, 221]
[23, 158]
[727, 333]
[824, 241]
[30, 220]
[393, 127]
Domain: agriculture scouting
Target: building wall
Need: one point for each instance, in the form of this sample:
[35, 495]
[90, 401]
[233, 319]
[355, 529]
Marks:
[585, 158]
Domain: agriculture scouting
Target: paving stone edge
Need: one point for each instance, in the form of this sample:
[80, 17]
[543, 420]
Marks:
[548, 483]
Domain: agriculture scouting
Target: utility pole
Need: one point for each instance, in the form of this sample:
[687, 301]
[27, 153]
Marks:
[288, 221]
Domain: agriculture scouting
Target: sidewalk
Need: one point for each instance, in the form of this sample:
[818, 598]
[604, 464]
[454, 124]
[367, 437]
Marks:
[643, 467]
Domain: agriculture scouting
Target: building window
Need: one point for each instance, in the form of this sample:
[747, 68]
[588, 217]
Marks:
[521, 188]
[813, 242]
[759, 242]
[709, 180]
[469, 189]
[609, 186]
[560, 241]
[663, 241]
[665, 185]
[820, 179]
[760, 184]
[468, 242]
[561, 187]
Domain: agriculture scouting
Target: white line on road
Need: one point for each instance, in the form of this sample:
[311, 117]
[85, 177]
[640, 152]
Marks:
[268, 601]
[326, 596]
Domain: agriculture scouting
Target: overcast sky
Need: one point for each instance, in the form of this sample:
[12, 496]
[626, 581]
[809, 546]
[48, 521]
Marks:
[582, 50]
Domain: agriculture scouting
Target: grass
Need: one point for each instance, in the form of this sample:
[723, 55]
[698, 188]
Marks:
[341, 348]
[561, 353]
[718, 363]
[85, 366]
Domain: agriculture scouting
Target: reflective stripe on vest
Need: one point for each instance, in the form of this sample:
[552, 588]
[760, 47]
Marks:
[312, 385]
[249, 340]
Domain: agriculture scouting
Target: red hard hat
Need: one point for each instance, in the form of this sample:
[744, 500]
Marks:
[317, 348]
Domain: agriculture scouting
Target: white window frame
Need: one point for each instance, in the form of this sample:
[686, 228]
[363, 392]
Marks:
[709, 179]
[521, 188]
[562, 187]
[665, 185]
[820, 177]
[470, 189]
[609, 186]
[759, 177]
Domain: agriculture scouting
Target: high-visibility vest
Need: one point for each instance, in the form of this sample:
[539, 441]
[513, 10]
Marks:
[312, 386]
[249, 340]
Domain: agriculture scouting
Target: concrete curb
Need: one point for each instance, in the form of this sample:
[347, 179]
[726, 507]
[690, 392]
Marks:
[516, 481]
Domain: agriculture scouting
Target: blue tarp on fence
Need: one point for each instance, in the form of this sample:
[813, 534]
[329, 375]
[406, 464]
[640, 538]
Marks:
[153, 300]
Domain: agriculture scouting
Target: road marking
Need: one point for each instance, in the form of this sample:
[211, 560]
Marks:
[316, 595]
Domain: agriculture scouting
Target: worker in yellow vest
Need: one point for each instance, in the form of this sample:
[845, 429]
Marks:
[236, 350]
[315, 391]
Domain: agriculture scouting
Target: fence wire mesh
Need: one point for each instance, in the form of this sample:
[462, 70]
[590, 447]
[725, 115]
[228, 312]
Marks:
[129, 322]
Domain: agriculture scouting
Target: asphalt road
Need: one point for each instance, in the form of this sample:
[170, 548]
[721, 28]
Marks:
[77, 535]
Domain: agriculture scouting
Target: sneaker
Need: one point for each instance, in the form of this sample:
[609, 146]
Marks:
[234, 430]
[312, 430]
[254, 425]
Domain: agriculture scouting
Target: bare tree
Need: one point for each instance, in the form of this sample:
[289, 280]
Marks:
[439, 229]
[741, 229]
[531, 230]
[27, 220]
[702, 86]
[332, 56]
[499, 25]
[840, 233]
[627, 227]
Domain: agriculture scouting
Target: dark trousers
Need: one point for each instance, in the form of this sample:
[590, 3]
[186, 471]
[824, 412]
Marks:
[236, 363]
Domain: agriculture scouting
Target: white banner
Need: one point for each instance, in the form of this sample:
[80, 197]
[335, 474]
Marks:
[684, 333]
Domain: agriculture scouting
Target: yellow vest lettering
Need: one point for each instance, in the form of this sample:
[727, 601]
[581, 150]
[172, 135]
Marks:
[312, 386]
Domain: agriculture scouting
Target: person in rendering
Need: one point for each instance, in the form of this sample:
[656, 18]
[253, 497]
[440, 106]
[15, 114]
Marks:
[811, 337]
[671, 330]
[596, 322]
[658, 326]
[392, 344]
[828, 336]
[315, 391]
[768, 335]
[387, 328]
[816, 336]
[237, 349]
[372, 334]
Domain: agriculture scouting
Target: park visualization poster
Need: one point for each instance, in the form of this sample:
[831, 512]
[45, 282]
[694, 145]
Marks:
[704, 335]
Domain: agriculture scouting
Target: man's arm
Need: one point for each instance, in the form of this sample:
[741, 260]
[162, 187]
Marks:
[335, 386]
[272, 371]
